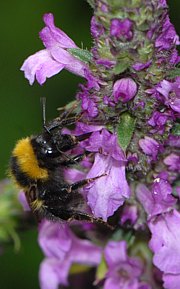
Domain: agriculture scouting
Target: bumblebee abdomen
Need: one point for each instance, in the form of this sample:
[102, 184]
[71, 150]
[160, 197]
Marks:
[24, 164]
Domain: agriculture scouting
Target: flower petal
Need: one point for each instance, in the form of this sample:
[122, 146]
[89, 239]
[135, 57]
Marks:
[107, 194]
[115, 252]
[40, 65]
[52, 36]
[70, 62]
[165, 242]
[53, 273]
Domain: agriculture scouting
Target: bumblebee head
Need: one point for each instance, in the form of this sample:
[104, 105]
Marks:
[45, 145]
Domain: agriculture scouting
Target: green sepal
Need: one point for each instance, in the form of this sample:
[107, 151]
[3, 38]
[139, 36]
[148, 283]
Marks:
[101, 270]
[91, 3]
[81, 54]
[176, 129]
[79, 268]
[174, 73]
[127, 236]
[125, 130]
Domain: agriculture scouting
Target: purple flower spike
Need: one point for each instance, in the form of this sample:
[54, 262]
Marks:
[62, 248]
[165, 245]
[124, 89]
[121, 28]
[149, 146]
[55, 57]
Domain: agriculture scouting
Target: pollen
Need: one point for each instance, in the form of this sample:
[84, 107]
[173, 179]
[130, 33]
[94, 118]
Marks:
[37, 205]
[27, 160]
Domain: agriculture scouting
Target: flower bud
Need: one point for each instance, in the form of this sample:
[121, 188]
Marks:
[124, 89]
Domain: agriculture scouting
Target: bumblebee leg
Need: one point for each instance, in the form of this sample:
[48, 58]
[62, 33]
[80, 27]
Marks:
[82, 183]
[72, 141]
[70, 215]
[58, 122]
[83, 136]
[75, 160]
[80, 216]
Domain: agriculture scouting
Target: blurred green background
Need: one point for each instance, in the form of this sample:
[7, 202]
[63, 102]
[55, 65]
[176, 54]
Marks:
[20, 113]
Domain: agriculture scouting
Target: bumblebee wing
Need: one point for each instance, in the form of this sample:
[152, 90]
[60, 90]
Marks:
[35, 204]
[31, 194]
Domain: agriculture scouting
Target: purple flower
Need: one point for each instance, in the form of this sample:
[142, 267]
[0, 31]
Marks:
[121, 28]
[158, 199]
[23, 201]
[124, 89]
[158, 119]
[173, 162]
[89, 106]
[174, 141]
[165, 243]
[106, 194]
[105, 62]
[123, 271]
[96, 28]
[138, 66]
[149, 146]
[129, 214]
[62, 248]
[171, 93]
[163, 3]
[55, 57]
[168, 36]
[175, 58]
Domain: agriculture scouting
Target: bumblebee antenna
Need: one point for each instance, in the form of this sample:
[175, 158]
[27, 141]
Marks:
[43, 104]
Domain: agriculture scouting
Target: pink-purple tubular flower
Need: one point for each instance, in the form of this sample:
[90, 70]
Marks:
[157, 200]
[123, 271]
[55, 57]
[121, 28]
[108, 192]
[62, 249]
[165, 245]
[149, 146]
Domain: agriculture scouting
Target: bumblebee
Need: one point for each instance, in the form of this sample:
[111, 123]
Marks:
[37, 165]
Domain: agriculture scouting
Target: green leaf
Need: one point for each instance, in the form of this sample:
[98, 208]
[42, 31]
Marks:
[81, 54]
[125, 130]
[121, 67]
[174, 73]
